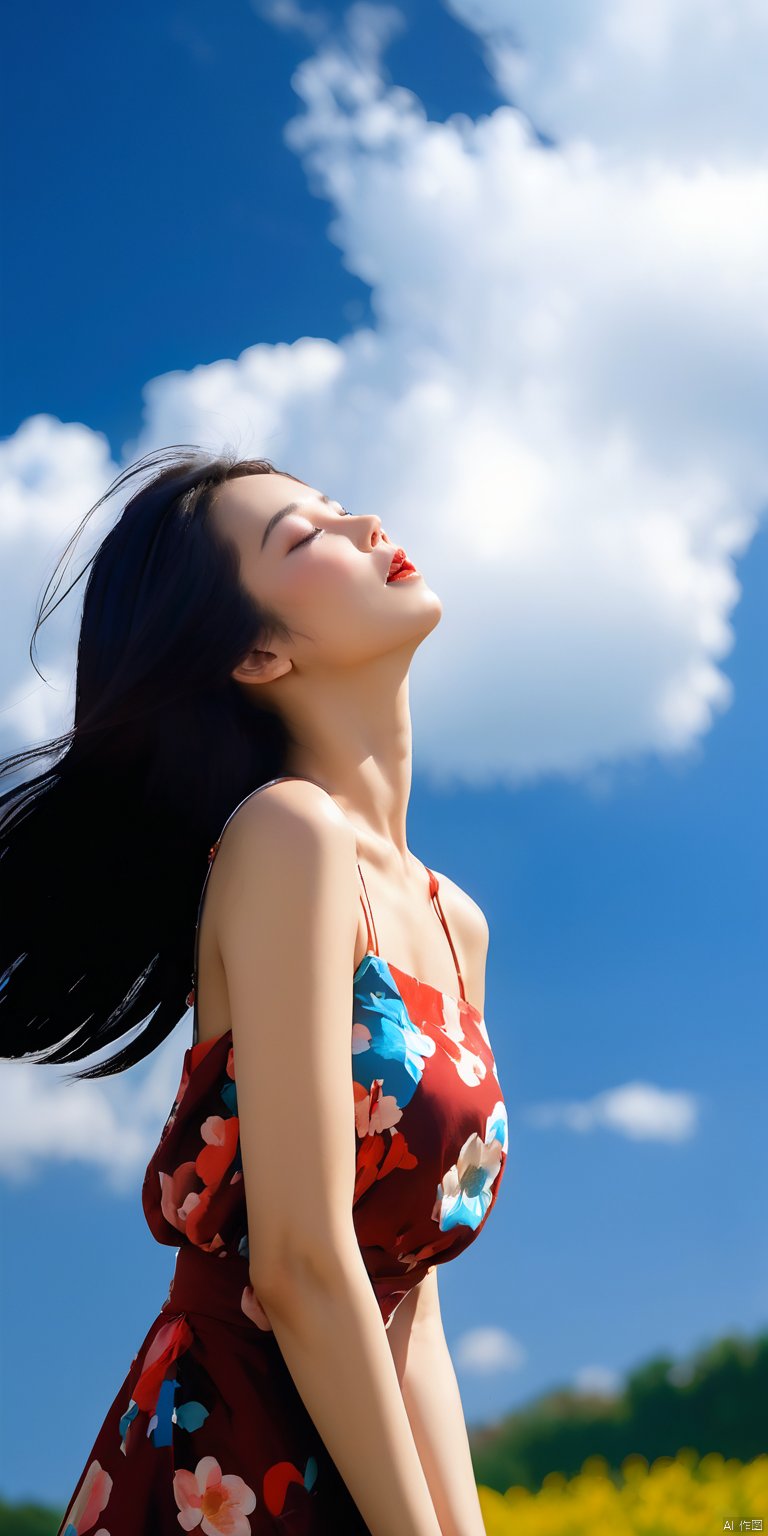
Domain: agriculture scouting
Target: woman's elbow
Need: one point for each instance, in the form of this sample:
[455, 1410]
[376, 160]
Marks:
[281, 1275]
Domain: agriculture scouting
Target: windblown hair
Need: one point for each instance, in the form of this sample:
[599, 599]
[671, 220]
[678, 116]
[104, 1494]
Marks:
[103, 853]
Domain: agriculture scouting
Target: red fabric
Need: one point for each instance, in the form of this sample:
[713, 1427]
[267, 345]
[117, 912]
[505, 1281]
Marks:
[208, 1430]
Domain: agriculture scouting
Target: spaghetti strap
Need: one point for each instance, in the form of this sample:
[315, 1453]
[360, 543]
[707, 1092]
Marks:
[373, 942]
[192, 995]
[434, 887]
[369, 923]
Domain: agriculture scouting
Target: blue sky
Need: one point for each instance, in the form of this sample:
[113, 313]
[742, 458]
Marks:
[495, 347]
[176, 226]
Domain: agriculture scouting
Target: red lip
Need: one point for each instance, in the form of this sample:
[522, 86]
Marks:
[400, 563]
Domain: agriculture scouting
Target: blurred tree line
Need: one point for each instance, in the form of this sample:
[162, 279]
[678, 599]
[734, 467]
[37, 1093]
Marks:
[715, 1401]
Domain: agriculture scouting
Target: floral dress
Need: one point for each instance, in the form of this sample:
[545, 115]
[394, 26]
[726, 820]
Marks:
[208, 1431]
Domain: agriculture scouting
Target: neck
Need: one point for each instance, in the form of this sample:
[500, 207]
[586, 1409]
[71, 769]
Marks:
[352, 735]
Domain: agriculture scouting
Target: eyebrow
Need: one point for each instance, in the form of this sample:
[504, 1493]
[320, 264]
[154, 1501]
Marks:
[284, 511]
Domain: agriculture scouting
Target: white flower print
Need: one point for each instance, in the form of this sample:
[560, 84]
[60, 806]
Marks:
[464, 1194]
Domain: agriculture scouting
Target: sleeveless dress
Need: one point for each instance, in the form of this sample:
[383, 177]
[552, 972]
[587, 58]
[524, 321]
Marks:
[208, 1431]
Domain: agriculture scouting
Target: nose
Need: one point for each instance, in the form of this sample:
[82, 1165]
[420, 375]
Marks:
[378, 531]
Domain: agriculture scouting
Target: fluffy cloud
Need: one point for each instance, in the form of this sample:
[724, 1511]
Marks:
[559, 409]
[684, 79]
[50, 474]
[484, 1350]
[111, 1125]
[637, 1111]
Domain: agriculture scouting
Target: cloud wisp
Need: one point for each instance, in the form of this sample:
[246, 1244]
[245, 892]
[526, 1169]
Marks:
[484, 1351]
[638, 1111]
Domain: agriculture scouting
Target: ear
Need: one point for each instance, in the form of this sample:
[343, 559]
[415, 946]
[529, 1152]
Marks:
[261, 667]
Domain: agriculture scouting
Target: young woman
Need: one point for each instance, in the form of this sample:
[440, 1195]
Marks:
[229, 810]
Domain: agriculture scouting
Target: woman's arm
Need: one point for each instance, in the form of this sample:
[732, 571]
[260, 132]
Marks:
[422, 1360]
[286, 923]
[433, 1404]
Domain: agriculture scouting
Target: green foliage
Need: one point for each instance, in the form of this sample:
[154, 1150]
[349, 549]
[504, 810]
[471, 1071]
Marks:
[28, 1520]
[714, 1402]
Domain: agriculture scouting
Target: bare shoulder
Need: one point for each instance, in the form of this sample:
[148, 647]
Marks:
[290, 807]
[464, 915]
[285, 863]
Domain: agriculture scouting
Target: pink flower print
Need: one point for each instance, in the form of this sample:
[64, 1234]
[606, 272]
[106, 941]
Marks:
[452, 1026]
[221, 1138]
[217, 1505]
[374, 1110]
[361, 1038]
[174, 1189]
[464, 1195]
[170, 1341]
[384, 1113]
[185, 1205]
[89, 1503]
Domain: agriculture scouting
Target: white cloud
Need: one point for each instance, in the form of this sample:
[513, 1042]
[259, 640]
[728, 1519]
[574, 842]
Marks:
[50, 474]
[684, 79]
[111, 1125]
[484, 1350]
[559, 411]
[289, 16]
[596, 1381]
[638, 1111]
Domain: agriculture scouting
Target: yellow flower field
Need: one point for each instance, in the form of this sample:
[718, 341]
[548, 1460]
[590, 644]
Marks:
[684, 1495]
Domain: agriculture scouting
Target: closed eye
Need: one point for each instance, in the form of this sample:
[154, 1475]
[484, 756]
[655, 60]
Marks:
[307, 539]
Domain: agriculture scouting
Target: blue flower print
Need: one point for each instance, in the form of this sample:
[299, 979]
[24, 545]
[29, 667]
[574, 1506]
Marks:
[385, 1042]
[496, 1125]
[464, 1194]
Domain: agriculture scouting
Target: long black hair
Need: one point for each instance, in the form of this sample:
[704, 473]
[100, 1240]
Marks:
[103, 853]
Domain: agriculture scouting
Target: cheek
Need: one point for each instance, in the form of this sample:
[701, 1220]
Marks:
[344, 614]
[330, 585]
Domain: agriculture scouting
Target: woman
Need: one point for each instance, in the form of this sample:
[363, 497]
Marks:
[243, 665]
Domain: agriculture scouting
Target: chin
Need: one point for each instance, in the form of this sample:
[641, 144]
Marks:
[424, 609]
[432, 609]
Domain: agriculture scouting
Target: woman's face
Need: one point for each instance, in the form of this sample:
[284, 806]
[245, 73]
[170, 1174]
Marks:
[322, 572]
